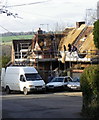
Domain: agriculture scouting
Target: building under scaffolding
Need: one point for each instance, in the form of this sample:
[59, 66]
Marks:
[40, 52]
[46, 51]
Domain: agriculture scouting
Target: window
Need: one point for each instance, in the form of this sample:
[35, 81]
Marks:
[68, 79]
[65, 80]
[33, 77]
[59, 79]
[22, 78]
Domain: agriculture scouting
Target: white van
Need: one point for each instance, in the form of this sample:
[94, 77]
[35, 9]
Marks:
[22, 79]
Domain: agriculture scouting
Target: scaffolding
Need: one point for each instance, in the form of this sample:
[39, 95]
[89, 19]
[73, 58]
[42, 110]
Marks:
[49, 60]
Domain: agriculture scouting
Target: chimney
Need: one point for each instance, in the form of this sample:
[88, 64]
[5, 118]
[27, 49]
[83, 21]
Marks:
[78, 24]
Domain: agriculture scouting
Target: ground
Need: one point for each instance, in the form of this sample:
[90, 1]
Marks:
[38, 105]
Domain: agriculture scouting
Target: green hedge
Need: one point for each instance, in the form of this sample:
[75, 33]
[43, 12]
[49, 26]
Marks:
[5, 60]
[96, 34]
[90, 90]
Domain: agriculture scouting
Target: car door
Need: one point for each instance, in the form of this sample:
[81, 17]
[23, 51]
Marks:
[65, 82]
[69, 79]
[22, 82]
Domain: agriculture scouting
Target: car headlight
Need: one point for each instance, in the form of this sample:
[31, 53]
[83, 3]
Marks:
[43, 86]
[69, 85]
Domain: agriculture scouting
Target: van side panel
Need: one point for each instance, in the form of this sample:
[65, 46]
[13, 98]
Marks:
[12, 70]
[12, 80]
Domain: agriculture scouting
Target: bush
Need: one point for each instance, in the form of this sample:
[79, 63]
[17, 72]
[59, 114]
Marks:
[96, 34]
[90, 89]
[5, 60]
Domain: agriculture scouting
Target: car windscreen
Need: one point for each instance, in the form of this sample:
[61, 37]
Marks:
[68, 79]
[76, 80]
[33, 77]
[57, 80]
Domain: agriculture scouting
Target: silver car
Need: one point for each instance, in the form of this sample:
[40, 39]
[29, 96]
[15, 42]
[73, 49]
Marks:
[75, 84]
[58, 83]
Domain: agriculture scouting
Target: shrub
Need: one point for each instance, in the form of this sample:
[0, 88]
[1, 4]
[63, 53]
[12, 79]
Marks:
[5, 60]
[90, 89]
[96, 34]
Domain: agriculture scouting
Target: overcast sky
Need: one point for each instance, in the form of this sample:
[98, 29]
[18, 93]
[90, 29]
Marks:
[47, 14]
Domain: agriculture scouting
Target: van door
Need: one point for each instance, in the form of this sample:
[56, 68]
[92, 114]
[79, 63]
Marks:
[14, 82]
[22, 82]
[2, 76]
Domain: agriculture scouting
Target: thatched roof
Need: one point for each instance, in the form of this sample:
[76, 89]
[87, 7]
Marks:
[76, 36]
[71, 37]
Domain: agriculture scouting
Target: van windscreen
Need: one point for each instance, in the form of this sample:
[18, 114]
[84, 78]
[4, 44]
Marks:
[33, 77]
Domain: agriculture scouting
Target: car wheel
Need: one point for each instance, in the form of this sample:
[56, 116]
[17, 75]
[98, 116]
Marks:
[8, 90]
[25, 91]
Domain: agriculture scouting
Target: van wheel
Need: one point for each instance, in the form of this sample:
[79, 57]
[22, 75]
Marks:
[8, 90]
[25, 91]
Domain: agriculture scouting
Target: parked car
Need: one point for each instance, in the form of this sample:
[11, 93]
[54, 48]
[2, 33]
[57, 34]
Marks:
[75, 84]
[58, 83]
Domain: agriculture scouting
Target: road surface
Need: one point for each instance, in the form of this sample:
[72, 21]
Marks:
[38, 105]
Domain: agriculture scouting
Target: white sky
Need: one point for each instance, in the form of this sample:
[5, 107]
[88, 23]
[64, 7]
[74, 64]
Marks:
[50, 13]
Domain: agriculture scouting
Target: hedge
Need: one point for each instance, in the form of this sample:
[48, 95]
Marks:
[96, 34]
[5, 60]
[89, 81]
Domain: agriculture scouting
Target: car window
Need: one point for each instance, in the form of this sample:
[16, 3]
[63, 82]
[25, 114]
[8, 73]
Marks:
[32, 77]
[76, 79]
[57, 79]
[69, 79]
[22, 78]
[66, 80]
